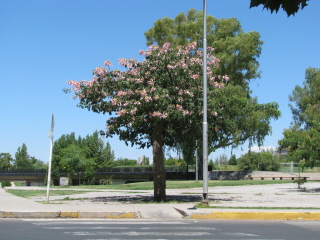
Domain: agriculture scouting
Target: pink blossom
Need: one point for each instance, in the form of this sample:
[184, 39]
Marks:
[122, 112]
[122, 61]
[179, 107]
[186, 112]
[195, 76]
[114, 102]
[133, 111]
[151, 82]
[122, 93]
[108, 63]
[170, 66]
[147, 98]
[100, 71]
[158, 114]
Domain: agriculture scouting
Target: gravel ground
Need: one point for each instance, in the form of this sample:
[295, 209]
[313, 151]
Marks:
[275, 195]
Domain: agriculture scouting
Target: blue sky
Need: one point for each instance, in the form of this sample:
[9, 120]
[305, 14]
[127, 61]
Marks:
[44, 43]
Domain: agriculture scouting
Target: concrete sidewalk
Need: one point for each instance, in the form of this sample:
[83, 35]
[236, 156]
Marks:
[16, 207]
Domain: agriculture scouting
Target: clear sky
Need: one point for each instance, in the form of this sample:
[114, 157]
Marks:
[44, 43]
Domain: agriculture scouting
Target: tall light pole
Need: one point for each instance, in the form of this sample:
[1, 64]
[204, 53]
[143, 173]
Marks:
[205, 123]
[50, 157]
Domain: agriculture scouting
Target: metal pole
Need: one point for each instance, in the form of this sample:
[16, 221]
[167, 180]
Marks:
[205, 123]
[197, 176]
[50, 157]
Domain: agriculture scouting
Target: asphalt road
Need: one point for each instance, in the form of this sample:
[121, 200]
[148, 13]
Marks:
[145, 229]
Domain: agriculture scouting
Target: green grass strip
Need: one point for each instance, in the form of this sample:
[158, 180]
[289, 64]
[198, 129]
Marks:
[41, 193]
[181, 184]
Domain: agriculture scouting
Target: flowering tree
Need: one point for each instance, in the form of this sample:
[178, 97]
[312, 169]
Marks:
[152, 102]
[239, 116]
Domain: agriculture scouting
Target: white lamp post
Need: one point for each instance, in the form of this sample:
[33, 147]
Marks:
[205, 123]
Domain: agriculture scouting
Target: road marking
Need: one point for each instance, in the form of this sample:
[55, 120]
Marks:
[134, 233]
[140, 228]
[104, 223]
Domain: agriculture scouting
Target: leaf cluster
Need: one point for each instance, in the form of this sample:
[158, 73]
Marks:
[289, 6]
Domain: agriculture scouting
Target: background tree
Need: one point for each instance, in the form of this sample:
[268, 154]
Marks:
[84, 155]
[6, 161]
[22, 158]
[239, 117]
[221, 160]
[233, 160]
[145, 161]
[63, 142]
[289, 6]
[38, 164]
[264, 161]
[155, 100]
[125, 162]
[302, 139]
[73, 160]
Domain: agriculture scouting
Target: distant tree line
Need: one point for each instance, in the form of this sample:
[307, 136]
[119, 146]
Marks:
[251, 161]
[22, 160]
[81, 155]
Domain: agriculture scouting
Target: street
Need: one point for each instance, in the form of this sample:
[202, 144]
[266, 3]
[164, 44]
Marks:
[37, 229]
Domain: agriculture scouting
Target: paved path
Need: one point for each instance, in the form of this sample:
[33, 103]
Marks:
[123, 204]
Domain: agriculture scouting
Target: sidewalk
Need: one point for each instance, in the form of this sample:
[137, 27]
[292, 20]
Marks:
[242, 198]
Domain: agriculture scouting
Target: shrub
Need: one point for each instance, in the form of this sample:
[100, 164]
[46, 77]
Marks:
[5, 184]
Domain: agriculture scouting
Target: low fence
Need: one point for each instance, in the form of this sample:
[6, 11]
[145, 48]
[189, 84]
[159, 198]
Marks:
[126, 174]
[242, 175]
[129, 169]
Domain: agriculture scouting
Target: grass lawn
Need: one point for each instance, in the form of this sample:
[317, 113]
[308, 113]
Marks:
[140, 186]
[180, 184]
[42, 193]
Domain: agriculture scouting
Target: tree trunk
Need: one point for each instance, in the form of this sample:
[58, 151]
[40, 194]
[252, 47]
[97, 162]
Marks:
[159, 177]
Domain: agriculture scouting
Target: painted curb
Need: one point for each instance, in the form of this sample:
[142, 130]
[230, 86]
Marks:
[70, 214]
[310, 216]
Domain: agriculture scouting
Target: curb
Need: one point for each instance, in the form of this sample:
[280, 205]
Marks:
[309, 216]
[71, 214]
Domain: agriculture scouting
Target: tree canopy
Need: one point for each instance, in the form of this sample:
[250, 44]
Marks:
[302, 139]
[6, 161]
[289, 6]
[238, 51]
